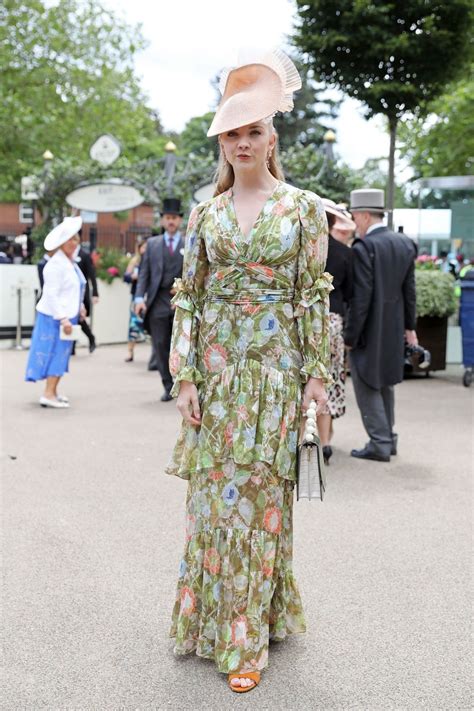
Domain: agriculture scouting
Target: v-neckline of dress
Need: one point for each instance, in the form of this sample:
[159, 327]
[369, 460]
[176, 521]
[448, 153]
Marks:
[245, 238]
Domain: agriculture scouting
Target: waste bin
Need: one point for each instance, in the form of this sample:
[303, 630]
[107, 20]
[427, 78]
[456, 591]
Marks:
[466, 320]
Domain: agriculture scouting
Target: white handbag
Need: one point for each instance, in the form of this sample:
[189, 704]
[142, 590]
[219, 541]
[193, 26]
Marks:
[311, 482]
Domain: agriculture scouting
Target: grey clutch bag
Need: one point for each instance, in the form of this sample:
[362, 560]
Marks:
[311, 482]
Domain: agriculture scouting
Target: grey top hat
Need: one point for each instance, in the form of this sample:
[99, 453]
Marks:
[367, 200]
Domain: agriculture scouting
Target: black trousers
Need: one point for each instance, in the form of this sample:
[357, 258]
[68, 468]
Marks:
[161, 327]
[87, 330]
[377, 409]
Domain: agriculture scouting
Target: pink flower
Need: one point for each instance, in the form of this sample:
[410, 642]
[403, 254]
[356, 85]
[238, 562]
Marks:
[216, 475]
[212, 561]
[188, 601]
[113, 271]
[272, 520]
[239, 631]
[215, 358]
[228, 434]
[242, 413]
[174, 362]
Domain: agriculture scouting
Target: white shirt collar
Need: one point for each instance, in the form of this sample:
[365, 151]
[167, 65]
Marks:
[375, 226]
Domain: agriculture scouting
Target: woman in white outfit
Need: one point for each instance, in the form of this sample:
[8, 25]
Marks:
[58, 310]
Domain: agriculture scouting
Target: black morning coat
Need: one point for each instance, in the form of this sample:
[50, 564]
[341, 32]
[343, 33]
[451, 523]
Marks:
[150, 276]
[86, 265]
[383, 305]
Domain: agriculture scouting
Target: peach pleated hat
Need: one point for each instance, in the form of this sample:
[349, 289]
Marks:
[261, 85]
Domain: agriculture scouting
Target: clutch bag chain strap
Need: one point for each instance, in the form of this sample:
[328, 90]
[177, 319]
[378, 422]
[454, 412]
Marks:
[311, 482]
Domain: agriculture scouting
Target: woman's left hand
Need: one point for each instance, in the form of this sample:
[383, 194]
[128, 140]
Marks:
[83, 312]
[314, 390]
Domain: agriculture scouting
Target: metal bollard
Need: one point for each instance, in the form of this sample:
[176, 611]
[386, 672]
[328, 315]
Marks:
[18, 345]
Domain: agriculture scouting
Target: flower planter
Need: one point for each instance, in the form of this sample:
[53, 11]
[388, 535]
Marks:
[432, 332]
[111, 315]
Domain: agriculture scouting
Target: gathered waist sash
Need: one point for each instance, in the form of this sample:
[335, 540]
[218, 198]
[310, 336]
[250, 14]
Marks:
[252, 296]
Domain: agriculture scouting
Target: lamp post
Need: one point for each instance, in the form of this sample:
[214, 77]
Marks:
[170, 166]
[327, 150]
[48, 158]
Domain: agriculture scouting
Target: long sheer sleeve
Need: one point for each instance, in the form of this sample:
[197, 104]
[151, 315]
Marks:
[312, 289]
[188, 302]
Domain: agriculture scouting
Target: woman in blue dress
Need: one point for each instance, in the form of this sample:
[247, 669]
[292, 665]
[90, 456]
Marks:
[58, 310]
[136, 332]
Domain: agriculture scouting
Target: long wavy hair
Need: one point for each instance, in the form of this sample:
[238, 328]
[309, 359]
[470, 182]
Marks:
[224, 176]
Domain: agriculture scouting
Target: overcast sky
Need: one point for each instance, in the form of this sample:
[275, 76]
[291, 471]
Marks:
[190, 41]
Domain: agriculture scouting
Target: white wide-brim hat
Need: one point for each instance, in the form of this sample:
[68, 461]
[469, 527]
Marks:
[60, 234]
[343, 222]
[257, 89]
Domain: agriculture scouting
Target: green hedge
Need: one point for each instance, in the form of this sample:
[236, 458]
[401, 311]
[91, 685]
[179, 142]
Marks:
[434, 293]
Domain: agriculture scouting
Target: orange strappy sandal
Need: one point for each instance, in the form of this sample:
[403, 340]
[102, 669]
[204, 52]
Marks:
[254, 676]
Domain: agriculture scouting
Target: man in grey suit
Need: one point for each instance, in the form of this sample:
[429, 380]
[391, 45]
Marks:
[381, 318]
[161, 264]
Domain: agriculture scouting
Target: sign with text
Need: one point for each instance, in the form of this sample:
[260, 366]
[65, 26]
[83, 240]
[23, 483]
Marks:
[29, 189]
[105, 150]
[105, 197]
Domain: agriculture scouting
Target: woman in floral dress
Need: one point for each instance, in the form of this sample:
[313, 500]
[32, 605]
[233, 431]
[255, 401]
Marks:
[250, 349]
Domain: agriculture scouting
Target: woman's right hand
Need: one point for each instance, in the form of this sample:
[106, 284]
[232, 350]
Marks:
[67, 326]
[188, 403]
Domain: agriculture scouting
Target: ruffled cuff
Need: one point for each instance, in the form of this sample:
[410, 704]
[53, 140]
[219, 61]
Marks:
[184, 299]
[316, 369]
[189, 372]
[318, 291]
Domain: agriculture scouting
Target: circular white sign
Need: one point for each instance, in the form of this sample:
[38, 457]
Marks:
[105, 197]
[105, 150]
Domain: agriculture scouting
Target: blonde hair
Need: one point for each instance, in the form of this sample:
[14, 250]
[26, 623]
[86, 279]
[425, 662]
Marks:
[224, 175]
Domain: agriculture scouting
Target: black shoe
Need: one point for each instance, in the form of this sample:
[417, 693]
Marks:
[166, 397]
[152, 367]
[393, 451]
[92, 346]
[327, 454]
[129, 359]
[367, 454]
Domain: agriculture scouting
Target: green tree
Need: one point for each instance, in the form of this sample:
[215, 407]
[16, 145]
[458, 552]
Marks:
[148, 176]
[312, 116]
[305, 167]
[193, 138]
[66, 75]
[394, 56]
[443, 143]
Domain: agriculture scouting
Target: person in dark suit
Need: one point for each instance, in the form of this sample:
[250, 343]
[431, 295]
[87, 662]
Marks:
[161, 264]
[86, 265]
[339, 265]
[381, 318]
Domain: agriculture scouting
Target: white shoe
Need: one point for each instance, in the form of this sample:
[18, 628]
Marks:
[62, 398]
[46, 402]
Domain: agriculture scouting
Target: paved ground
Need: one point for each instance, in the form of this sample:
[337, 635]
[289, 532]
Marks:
[93, 535]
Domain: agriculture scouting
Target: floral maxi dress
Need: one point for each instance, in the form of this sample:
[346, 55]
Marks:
[251, 325]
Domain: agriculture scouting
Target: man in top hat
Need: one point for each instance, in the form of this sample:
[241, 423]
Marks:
[161, 264]
[382, 316]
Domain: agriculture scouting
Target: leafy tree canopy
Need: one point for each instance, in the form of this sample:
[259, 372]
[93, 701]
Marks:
[66, 75]
[312, 116]
[393, 55]
[305, 167]
[193, 138]
[443, 143]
